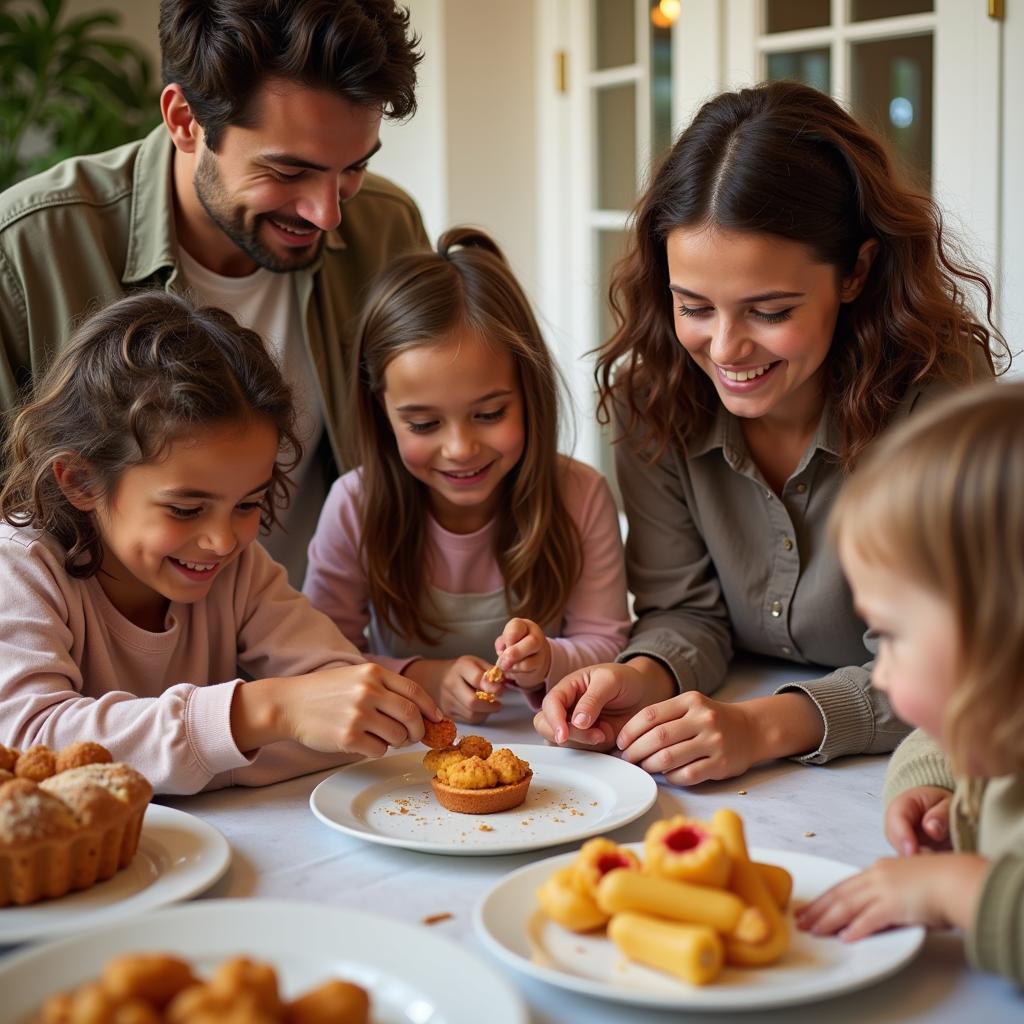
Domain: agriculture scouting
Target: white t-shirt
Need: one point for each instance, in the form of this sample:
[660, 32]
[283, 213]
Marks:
[268, 304]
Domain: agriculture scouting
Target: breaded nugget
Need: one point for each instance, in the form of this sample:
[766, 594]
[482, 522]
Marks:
[435, 760]
[471, 773]
[240, 975]
[204, 1004]
[82, 753]
[155, 977]
[507, 766]
[475, 746]
[494, 675]
[487, 698]
[36, 763]
[438, 734]
[8, 758]
[336, 1002]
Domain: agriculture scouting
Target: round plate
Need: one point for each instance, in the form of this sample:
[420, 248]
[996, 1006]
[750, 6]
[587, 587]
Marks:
[574, 794]
[179, 855]
[414, 976]
[511, 925]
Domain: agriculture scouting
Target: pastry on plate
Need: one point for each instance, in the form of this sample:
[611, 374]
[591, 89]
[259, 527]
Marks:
[471, 778]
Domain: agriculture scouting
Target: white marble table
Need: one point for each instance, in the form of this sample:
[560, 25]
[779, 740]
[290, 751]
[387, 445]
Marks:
[282, 851]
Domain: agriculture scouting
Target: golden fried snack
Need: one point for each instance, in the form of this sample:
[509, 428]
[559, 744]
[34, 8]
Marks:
[153, 977]
[438, 734]
[494, 675]
[205, 1004]
[5, 775]
[8, 758]
[242, 976]
[509, 768]
[596, 858]
[681, 901]
[84, 752]
[36, 763]
[487, 698]
[475, 746]
[435, 760]
[469, 773]
[566, 904]
[748, 884]
[691, 952]
[687, 850]
[336, 1002]
[779, 882]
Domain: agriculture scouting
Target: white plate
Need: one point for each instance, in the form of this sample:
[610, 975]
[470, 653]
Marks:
[414, 976]
[511, 925]
[574, 794]
[179, 855]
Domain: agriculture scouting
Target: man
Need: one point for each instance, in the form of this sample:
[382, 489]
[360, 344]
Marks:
[253, 195]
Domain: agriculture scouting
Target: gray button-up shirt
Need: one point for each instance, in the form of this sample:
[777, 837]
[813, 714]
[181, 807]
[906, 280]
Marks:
[716, 561]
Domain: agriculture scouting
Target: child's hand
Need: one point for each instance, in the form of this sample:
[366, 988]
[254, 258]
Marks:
[938, 892]
[460, 682]
[524, 653]
[917, 818]
[689, 739]
[588, 707]
[357, 709]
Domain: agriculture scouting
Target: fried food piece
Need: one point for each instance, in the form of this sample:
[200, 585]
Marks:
[595, 859]
[779, 882]
[487, 698]
[691, 952]
[8, 758]
[242, 976]
[36, 763]
[561, 899]
[5, 775]
[509, 768]
[435, 760]
[469, 773]
[82, 753]
[688, 850]
[204, 1004]
[475, 746]
[438, 734]
[336, 1002]
[154, 977]
[494, 675]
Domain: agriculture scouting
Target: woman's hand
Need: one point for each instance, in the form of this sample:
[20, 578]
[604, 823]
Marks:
[588, 707]
[524, 653]
[454, 683]
[919, 818]
[689, 739]
[357, 709]
[938, 892]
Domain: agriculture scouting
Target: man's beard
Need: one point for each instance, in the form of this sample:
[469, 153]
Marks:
[231, 220]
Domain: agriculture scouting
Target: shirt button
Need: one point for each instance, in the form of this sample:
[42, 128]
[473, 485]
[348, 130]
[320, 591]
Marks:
[800, 488]
[787, 650]
[787, 543]
[776, 609]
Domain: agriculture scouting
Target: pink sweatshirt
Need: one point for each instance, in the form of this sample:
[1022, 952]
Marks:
[596, 621]
[73, 668]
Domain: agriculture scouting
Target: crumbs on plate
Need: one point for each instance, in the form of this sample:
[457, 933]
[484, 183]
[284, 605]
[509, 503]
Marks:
[437, 918]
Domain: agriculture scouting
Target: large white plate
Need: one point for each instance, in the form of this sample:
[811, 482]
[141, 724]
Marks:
[414, 976]
[574, 794]
[179, 855]
[513, 928]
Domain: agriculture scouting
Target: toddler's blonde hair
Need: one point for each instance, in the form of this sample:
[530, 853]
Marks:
[941, 500]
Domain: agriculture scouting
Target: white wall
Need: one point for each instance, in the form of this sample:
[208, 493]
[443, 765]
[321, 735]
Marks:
[1011, 237]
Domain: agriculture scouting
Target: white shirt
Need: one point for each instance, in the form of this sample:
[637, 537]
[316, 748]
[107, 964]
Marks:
[267, 303]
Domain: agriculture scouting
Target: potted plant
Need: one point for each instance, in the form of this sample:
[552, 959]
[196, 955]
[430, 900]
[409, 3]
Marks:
[67, 86]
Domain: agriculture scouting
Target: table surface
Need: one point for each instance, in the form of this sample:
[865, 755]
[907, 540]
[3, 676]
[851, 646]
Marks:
[280, 850]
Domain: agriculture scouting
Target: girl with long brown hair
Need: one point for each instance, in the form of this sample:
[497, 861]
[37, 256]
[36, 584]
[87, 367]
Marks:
[464, 533]
[785, 297]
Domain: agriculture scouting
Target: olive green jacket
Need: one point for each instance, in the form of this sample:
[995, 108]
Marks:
[95, 228]
[986, 817]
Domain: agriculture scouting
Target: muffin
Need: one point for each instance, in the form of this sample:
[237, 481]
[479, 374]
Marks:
[70, 829]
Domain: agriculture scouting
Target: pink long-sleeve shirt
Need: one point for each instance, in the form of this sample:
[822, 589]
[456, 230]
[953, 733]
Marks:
[72, 667]
[465, 578]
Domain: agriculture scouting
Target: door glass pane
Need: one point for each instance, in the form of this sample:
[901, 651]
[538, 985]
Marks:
[614, 33]
[869, 10]
[812, 67]
[615, 139]
[611, 247]
[892, 89]
[787, 15]
[661, 90]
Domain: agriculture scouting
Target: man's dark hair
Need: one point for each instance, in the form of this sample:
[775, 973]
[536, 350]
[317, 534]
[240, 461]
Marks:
[222, 51]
